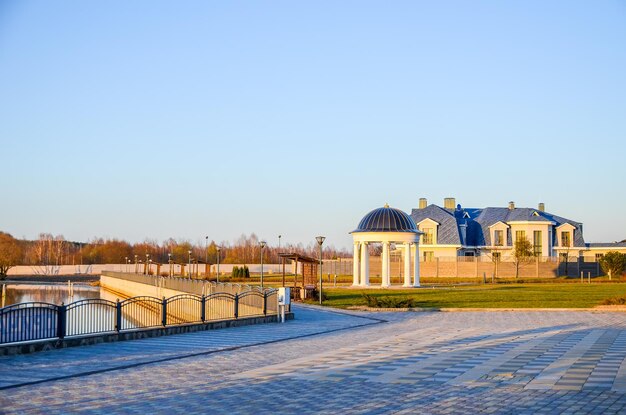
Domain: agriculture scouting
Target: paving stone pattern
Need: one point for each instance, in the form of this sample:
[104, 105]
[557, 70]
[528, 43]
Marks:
[439, 363]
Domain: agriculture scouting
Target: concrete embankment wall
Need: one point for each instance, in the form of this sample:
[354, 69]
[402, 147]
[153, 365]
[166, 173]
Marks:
[186, 309]
[135, 289]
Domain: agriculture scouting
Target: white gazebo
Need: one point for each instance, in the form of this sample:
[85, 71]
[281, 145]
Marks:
[386, 225]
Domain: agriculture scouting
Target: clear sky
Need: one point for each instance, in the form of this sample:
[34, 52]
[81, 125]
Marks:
[150, 119]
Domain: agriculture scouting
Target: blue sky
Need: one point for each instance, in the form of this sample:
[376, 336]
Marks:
[150, 119]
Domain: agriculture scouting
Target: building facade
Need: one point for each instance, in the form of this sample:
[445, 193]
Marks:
[452, 230]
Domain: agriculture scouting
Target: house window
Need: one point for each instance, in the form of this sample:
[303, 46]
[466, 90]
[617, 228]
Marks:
[599, 257]
[520, 235]
[428, 256]
[428, 237]
[469, 253]
[496, 256]
[537, 248]
[498, 238]
[565, 239]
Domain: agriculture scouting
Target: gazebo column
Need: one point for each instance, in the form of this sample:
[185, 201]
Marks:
[365, 265]
[407, 265]
[355, 265]
[416, 270]
[385, 271]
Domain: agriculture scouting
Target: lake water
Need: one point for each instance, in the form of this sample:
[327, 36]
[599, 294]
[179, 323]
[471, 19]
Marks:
[51, 293]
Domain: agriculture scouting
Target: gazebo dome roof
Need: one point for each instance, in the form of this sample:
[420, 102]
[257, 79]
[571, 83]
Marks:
[386, 219]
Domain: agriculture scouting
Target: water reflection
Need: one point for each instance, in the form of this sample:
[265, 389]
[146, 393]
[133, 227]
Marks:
[48, 293]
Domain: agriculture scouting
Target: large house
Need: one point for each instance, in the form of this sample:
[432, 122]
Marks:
[453, 230]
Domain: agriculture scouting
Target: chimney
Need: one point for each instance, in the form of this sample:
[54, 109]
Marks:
[511, 205]
[449, 203]
[542, 207]
[423, 203]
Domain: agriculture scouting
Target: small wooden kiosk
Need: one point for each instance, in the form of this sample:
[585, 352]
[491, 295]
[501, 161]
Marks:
[308, 282]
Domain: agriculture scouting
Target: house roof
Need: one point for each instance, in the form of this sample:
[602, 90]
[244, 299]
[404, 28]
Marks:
[478, 220]
[448, 232]
[606, 245]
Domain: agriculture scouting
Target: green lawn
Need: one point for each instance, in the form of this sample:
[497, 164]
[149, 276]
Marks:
[545, 295]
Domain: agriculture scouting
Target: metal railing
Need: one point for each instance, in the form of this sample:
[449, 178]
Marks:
[35, 321]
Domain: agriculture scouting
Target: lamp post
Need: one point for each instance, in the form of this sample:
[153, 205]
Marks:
[262, 244]
[320, 241]
[147, 258]
[136, 264]
[189, 268]
[169, 261]
[206, 251]
[126, 263]
[218, 263]
[279, 236]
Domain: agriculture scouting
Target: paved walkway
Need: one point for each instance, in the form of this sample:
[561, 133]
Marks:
[323, 362]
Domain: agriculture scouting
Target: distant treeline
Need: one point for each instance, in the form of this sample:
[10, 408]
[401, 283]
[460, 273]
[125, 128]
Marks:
[56, 250]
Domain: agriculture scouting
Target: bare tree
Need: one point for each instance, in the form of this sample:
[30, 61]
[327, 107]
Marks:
[522, 254]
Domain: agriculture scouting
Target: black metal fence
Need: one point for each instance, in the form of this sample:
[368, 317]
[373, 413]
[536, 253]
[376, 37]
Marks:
[35, 321]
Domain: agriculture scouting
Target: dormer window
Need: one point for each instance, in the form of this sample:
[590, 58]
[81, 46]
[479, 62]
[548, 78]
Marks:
[428, 236]
[535, 213]
[498, 238]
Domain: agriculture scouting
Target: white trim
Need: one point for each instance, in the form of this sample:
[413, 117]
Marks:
[428, 219]
[604, 248]
[440, 246]
[566, 224]
[498, 222]
[530, 222]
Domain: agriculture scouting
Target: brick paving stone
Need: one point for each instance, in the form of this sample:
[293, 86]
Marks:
[406, 365]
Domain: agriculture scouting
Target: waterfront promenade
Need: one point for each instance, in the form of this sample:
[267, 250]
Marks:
[327, 362]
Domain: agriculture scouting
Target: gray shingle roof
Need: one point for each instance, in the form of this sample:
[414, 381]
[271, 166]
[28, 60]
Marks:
[448, 230]
[477, 221]
[606, 245]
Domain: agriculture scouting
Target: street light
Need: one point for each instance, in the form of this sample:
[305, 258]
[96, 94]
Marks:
[169, 261]
[189, 268]
[126, 263]
[218, 263]
[279, 236]
[147, 257]
[320, 241]
[136, 265]
[262, 244]
[206, 251]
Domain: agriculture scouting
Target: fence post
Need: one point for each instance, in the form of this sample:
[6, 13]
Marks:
[236, 306]
[264, 304]
[118, 315]
[164, 314]
[476, 266]
[61, 320]
[202, 310]
[537, 267]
